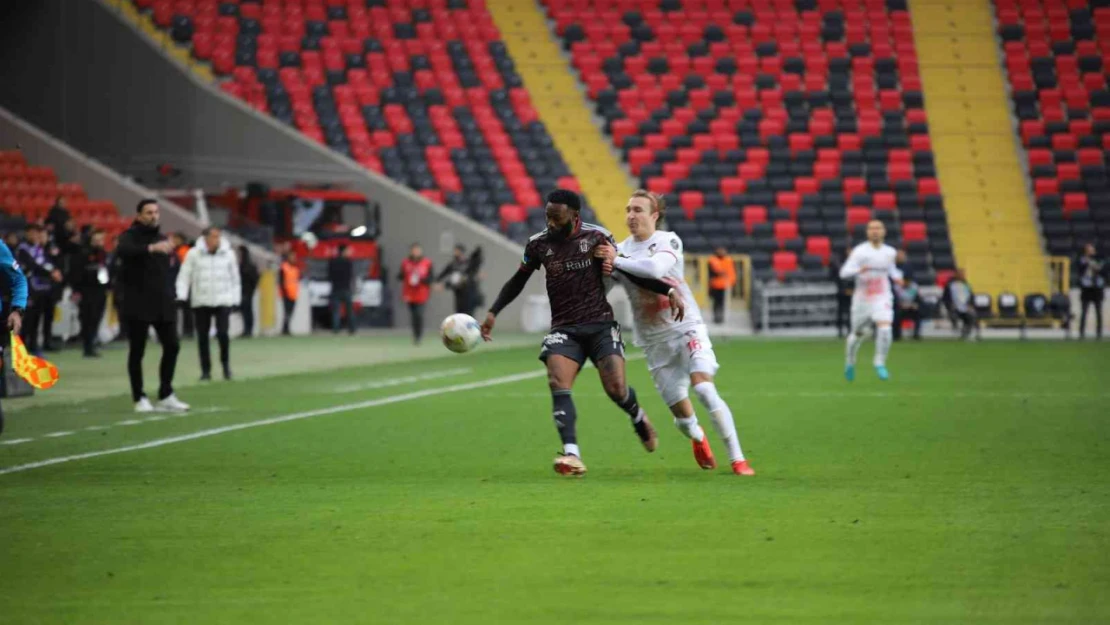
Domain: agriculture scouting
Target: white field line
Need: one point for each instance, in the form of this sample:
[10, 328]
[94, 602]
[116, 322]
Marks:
[366, 386]
[16, 441]
[57, 434]
[296, 416]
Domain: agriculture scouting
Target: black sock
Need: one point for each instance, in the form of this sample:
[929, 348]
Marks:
[630, 405]
[565, 416]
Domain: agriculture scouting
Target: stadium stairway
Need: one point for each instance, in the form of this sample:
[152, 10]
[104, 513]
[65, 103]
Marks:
[991, 220]
[563, 109]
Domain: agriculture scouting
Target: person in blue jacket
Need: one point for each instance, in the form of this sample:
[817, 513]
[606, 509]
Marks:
[16, 299]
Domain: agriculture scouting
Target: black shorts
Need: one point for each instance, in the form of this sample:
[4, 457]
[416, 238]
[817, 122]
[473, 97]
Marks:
[579, 342]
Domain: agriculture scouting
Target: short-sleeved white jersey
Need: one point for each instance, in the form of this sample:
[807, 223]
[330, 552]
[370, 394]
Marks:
[872, 267]
[650, 311]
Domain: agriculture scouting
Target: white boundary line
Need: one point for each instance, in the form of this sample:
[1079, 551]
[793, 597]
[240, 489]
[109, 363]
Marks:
[296, 416]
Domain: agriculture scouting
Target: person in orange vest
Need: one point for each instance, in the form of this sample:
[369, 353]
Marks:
[290, 287]
[416, 280]
[722, 277]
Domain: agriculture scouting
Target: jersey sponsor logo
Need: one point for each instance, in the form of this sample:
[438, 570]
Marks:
[555, 338]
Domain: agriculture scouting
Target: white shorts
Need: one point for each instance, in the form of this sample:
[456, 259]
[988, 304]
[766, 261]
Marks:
[672, 360]
[879, 310]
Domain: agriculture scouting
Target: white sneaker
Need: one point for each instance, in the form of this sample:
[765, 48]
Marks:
[171, 404]
[144, 405]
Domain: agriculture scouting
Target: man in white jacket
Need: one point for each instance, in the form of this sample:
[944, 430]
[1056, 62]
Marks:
[209, 278]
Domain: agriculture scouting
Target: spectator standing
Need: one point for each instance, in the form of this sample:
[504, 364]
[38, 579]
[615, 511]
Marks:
[1092, 285]
[42, 275]
[896, 325]
[91, 281]
[416, 278]
[722, 277]
[16, 300]
[908, 303]
[148, 302]
[957, 300]
[209, 279]
[58, 215]
[460, 275]
[248, 279]
[290, 287]
[341, 275]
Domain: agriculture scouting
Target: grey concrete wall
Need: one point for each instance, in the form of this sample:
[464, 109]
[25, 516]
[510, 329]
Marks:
[78, 70]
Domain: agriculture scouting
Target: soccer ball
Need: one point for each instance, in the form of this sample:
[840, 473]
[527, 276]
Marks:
[461, 333]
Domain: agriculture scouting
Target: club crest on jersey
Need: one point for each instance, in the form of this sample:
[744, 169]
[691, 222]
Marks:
[651, 250]
[583, 246]
[674, 244]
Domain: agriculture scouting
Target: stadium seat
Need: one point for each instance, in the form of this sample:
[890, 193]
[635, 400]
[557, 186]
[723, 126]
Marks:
[1059, 90]
[790, 121]
[380, 82]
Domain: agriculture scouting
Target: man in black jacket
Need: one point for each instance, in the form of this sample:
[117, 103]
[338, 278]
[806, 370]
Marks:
[90, 281]
[148, 301]
[341, 275]
[1092, 283]
[461, 276]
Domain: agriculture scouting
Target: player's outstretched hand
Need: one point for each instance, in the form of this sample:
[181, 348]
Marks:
[605, 252]
[678, 307]
[487, 326]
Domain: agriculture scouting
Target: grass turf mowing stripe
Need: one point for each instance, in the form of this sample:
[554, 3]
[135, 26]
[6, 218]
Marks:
[279, 419]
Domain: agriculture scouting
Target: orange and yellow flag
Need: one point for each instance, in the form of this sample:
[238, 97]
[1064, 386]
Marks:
[39, 373]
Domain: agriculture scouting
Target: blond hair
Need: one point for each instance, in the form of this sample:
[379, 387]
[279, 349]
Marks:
[658, 202]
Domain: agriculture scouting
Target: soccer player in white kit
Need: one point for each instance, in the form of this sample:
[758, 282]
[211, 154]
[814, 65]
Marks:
[873, 265]
[679, 353]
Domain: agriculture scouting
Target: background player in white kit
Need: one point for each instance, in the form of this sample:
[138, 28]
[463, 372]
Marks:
[873, 266]
[678, 353]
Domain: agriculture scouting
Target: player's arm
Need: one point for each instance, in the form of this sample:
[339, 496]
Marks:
[511, 290]
[655, 285]
[18, 283]
[897, 275]
[851, 267]
[654, 267]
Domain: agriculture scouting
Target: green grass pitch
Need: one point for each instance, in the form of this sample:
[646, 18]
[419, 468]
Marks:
[972, 488]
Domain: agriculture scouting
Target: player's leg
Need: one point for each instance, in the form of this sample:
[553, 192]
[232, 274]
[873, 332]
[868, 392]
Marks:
[167, 336]
[611, 370]
[668, 365]
[703, 366]
[860, 322]
[883, 317]
[563, 357]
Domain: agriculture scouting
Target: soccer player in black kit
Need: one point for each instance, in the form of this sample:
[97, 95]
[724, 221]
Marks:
[582, 322]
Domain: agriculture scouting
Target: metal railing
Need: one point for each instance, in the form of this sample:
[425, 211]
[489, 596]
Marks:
[697, 276]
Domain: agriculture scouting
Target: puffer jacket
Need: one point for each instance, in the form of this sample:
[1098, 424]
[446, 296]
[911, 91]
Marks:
[209, 279]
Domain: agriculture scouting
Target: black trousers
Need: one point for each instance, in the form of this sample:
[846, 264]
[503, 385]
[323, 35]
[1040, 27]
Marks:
[186, 319]
[246, 309]
[914, 315]
[1090, 297]
[289, 305]
[464, 301]
[48, 319]
[38, 304]
[90, 311]
[843, 318]
[137, 332]
[416, 311]
[204, 317]
[718, 297]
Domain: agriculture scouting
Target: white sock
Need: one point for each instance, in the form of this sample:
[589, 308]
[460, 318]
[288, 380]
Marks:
[722, 418]
[689, 426]
[854, 341]
[883, 338]
[571, 449]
